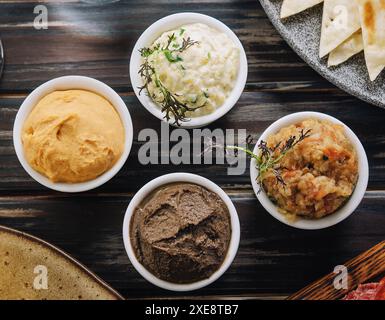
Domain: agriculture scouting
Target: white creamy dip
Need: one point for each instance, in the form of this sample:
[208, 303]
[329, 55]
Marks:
[202, 75]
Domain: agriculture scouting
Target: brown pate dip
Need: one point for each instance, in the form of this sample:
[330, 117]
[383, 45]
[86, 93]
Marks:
[181, 232]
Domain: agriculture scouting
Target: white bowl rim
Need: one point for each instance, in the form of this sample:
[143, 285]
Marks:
[348, 208]
[190, 178]
[67, 83]
[171, 22]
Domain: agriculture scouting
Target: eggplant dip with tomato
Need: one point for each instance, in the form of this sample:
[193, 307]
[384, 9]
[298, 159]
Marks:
[308, 169]
[317, 175]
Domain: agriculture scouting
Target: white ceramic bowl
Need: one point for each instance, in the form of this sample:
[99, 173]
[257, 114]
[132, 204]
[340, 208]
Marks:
[66, 83]
[342, 213]
[172, 22]
[172, 178]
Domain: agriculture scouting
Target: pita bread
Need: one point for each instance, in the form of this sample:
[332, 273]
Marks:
[372, 15]
[290, 7]
[346, 50]
[339, 21]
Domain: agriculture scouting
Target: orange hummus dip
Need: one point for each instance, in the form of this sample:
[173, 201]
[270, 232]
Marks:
[73, 136]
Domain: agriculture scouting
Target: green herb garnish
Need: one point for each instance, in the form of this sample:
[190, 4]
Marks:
[270, 158]
[168, 54]
[170, 104]
[194, 99]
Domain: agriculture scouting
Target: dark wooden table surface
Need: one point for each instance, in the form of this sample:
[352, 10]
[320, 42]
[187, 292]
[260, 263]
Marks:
[273, 260]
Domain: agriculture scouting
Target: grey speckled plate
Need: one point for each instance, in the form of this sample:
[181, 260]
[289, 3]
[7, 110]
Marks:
[302, 32]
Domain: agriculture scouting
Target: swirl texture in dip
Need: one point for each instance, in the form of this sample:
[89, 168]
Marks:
[73, 136]
[181, 232]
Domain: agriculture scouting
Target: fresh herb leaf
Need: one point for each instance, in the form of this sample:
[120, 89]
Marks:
[146, 52]
[170, 57]
[170, 104]
[187, 43]
[194, 98]
[181, 32]
[170, 39]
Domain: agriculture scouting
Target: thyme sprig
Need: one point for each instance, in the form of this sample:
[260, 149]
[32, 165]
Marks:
[271, 157]
[170, 102]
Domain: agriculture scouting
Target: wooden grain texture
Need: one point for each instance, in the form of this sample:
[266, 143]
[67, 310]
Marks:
[97, 41]
[1, 58]
[367, 266]
[274, 260]
[254, 112]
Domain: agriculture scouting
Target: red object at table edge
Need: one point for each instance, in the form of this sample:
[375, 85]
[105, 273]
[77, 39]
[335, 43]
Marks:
[368, 291]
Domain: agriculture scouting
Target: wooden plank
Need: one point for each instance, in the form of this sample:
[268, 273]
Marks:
[254, 112]
[83, 39]
[96, 40]
[273, 259]
[367, 266]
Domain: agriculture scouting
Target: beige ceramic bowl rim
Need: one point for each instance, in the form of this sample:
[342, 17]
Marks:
[67, 83]
[171, 22]
[190, 178]
[346, 210]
